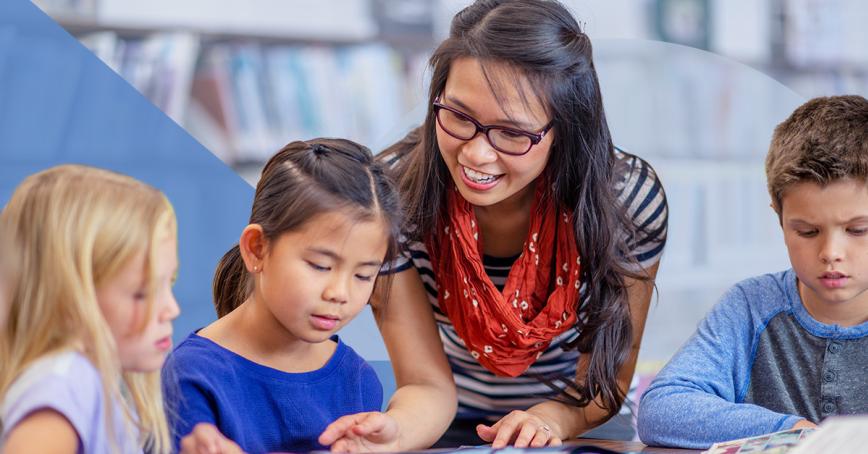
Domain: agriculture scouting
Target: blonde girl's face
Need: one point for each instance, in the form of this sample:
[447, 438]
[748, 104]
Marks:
[315, 280]
[143, 339]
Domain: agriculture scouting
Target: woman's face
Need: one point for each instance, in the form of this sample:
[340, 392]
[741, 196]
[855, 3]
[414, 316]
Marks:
[485, 177]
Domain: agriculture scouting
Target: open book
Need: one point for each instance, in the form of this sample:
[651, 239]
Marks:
[840, 435]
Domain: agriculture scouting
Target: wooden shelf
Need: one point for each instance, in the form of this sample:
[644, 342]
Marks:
[334, 22]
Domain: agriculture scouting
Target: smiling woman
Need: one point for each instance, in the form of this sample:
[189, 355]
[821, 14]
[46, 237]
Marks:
[495, 169]
[532, 243]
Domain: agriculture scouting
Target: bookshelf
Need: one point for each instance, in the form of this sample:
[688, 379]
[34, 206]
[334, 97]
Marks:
[334, 21]
[246, 77]
[242, 77]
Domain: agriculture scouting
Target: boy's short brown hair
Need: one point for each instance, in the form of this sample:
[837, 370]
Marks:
[822, 141]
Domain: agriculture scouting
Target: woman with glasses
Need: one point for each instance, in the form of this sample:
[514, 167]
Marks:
[531, 248]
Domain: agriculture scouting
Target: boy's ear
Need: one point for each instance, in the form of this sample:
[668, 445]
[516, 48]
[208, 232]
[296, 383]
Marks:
[253, 247]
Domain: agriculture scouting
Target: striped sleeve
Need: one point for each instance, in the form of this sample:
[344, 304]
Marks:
[641, 194]
[402, 261]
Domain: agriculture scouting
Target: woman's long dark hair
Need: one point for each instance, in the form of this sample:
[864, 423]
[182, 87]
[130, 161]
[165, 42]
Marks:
[541, 41]
[302, 180]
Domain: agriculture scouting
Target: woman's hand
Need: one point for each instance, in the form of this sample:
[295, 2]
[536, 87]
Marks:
[206, 439]
[520, 428]
[362, 432]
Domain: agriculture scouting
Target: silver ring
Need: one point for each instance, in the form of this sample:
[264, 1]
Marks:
[545, 428]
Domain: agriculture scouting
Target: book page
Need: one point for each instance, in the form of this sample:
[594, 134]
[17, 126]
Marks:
[773, 443]
[840, 434]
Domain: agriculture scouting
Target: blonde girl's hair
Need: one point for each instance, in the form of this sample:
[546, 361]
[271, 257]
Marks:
[77, 227]
[8, 261]
[8, 278]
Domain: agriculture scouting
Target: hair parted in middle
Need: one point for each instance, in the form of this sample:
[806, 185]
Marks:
[302, 180]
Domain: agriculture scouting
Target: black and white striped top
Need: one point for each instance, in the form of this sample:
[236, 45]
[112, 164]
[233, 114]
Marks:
[481, 394]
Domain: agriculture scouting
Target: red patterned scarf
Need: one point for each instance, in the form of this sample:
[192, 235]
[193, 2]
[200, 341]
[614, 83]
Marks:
[506, 332]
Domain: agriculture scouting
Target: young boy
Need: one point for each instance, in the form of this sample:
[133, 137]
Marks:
[785, 350]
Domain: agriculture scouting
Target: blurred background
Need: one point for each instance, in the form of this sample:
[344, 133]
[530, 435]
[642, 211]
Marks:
[693, 86]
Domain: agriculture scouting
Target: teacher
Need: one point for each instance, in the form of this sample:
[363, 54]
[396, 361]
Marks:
[532, 245]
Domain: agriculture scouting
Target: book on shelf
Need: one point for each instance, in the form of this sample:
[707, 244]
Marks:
[266, 96]
[244, 100]
[68, 8]
[160, 65]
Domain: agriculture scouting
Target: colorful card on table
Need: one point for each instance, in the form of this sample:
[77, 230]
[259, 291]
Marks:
[773, 443]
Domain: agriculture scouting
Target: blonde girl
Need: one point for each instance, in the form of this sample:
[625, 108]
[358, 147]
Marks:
[91, 320]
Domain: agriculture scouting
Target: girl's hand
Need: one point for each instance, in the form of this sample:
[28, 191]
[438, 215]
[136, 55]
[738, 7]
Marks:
[521, 429]
[206, 439]
[362, 432]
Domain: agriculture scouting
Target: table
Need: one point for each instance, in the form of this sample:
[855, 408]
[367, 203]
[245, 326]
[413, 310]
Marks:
[630, 446]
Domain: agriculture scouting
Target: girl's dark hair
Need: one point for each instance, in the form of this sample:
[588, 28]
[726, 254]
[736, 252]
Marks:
[302, 180]
[540, 40]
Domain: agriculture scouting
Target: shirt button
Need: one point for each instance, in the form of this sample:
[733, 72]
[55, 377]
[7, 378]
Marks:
[828, 376]
[834, 347]
[828, 407]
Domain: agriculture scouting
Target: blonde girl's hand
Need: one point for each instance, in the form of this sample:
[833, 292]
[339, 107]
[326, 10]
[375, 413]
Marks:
[521, 429]
[362, 432]
[206, 439]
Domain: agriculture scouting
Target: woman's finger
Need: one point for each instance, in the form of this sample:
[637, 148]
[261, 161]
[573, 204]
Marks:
[526, 433]
[506, 432]
[541, 437]
[486, 433]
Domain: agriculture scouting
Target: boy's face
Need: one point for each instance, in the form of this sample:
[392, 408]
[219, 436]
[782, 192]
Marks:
[826, 233]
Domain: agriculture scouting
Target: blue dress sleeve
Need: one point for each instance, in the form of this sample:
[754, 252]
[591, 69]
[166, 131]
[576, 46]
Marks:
[189, 397]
